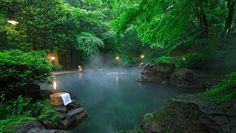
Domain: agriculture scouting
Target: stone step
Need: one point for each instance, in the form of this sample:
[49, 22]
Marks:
[61, 109]
[74, 112]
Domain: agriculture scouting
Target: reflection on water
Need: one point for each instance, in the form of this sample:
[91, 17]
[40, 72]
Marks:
[117, 80]
[116, 75]
[80, 75]
[54, 84]
[114, 102]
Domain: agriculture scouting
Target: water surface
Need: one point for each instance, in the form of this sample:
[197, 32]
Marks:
[114, 102]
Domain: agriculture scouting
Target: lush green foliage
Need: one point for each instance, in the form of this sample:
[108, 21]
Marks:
[88, 43]
[43, 111]
[221, 93]
[17, 111]
[172, 23]
[19, 69]
[56, 25]
[9, 125]
[166, 59]
[192, 60]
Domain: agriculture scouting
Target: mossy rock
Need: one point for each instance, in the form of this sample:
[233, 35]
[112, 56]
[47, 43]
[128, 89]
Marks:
[10, 124]
[175, 117]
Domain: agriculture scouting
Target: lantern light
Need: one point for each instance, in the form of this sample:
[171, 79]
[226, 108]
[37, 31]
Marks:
[53, 58]
[54, 84]
[117, 57]
[142, 56]
[80, 68]
[13, 22]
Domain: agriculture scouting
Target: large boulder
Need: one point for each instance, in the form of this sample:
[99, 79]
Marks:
[182, 77]
[185, 78]
[36, 127]
[72, 118]
[25, 127]
[69, 116]
[48, 131]
[186, 116]
[159, 72]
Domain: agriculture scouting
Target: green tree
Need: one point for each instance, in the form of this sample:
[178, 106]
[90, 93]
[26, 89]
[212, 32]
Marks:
[88, 43]
[168, 24]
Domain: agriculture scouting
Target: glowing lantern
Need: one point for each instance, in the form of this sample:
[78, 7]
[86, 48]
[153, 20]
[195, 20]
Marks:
[142, 56]
[117, 57]
[80, 68]
[13, 22]
[53, 58]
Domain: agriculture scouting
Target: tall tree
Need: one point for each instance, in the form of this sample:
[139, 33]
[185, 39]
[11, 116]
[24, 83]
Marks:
[229, 18]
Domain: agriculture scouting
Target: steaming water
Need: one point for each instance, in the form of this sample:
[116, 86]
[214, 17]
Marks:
[114, 102]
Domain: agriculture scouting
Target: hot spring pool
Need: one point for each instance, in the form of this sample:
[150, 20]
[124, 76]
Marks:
[114, 101]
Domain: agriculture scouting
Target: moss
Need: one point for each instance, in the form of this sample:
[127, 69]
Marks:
[9, 125]
[221, 93]
[175, 117]
[184, 117]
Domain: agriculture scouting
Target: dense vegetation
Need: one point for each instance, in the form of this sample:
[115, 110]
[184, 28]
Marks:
[19, 70]
[23, 68]
[22, 109]
[193, 34]
[220, 93]
[80, 28]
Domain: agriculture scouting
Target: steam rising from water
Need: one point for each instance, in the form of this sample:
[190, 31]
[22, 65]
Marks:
[113, 99]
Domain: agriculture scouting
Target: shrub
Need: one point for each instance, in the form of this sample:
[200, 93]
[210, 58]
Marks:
[45, 112]
[223, 92]
[56, 67]
[192, 61]
[126, 61]
[18, 106]
[22, 109]
[9, 125]
[165, 59]
[19, 69]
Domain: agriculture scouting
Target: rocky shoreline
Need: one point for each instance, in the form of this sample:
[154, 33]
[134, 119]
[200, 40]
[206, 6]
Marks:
[186, 114]
[68, 116]
[167, 73]
[191, 116]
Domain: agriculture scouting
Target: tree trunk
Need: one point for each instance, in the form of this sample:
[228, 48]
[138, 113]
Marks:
[64, 51]
[71, 57]
[229, 19]
[45, 41]
[65, 60]
[205, 23]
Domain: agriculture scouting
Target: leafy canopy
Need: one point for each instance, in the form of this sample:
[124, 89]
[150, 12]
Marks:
[89, 43]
